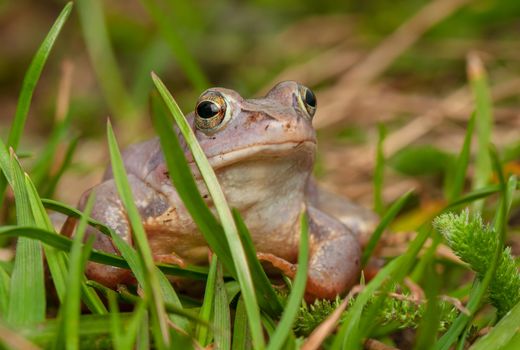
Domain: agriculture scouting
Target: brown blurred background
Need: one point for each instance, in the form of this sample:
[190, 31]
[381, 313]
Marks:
[402, 64]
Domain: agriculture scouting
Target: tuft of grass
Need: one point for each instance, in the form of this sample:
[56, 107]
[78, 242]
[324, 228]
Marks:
[27, 301]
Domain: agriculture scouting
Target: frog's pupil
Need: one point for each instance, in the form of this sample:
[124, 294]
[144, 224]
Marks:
[207, 109]
[310, 99]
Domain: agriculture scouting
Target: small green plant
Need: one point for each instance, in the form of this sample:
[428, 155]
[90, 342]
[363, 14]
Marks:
[475, 243]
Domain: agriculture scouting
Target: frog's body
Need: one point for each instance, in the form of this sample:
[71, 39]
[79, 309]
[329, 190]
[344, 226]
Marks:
[262, 151]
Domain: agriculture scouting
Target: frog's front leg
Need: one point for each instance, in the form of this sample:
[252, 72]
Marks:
[334, 261]
[335, 254]
[109, 210]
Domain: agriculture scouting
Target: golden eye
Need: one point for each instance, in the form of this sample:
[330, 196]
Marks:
[308, 100]
[210, 111]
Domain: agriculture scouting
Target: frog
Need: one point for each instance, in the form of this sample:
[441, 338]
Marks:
[262, 151]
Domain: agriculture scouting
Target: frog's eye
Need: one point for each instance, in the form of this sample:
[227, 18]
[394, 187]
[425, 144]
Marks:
[210, 112]
[308, 100]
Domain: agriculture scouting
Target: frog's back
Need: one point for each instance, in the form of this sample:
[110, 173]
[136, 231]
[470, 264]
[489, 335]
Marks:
[140, 159]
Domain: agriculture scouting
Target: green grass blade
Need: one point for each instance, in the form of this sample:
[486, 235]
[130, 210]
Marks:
[241, 335]
[171, 298]
[292, 307]
[55, 259]
[186, 187]
[64, 244]
[27, 301]
[131, 256]
[32, 76]
[205, 313]
[5, 282]
[457, 184]
[151, 283]
[50, 187]
[44, 161]
[226, 218]
[104, 62]
[484, 123]
[427, 331]
[221, 315]
[94, 327]
[29, 83]
[379, 205]
[169, 31]
[383, 224]
[267, 297]
[116, 328]
[71, 308]
[502, 333]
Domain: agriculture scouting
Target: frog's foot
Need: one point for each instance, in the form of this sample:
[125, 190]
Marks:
[334, 263]
[172, 259]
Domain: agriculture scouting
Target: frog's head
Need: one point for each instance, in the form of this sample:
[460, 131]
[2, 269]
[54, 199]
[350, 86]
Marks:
[262, 149]
[231, 129]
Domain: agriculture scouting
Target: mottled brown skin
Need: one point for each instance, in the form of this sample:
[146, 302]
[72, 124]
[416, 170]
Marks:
[263, 154]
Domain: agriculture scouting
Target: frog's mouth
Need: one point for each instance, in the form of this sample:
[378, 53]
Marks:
[293, 149]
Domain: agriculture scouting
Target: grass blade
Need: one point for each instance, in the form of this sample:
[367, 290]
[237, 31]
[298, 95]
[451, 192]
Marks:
[55, 259]
[226, 218]
[502, 333]
[71, 308]
[202, 332]
[295, 298]
[170, 33]
[29, 83]
[67, 159]
[64, 243]
[151, 285]
[33, 75]
[101, 54]
[457, 184]
[27, 301]
[383, 224]
[186, 187]
[241, 335]
[221, 315]
[267, 298]
[484, 122]
[5, 282]
[379, 205]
